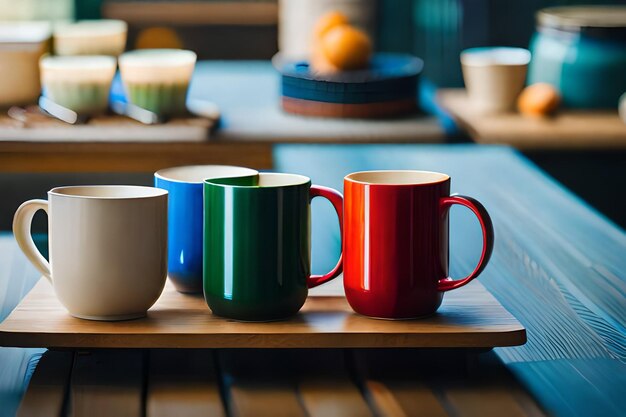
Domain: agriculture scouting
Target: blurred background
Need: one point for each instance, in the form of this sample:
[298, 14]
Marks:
[434, 30]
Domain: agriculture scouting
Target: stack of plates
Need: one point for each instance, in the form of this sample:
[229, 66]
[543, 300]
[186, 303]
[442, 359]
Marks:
[387, 88]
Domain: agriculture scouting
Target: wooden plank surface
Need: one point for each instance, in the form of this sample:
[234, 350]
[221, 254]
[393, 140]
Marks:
[283, 382]
[441, 383]
[107, 383]
[469, 317]
[48, 387]
[568, 129]
[260, 383]
[557, 264]
[326, 385]
[182, 383]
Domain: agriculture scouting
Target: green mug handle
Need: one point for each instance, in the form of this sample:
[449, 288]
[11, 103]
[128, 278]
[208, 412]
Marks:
[336, 199]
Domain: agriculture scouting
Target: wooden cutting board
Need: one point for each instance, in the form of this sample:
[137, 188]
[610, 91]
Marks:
[469, 318]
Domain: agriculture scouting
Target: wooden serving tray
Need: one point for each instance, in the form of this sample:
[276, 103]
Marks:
[106, 128]
[469, 318]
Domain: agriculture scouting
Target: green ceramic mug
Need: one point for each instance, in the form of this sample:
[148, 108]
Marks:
[257, 245]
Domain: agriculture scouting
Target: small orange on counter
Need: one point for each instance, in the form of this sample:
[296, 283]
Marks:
[327, 22]
[346, 47]
[538, 100]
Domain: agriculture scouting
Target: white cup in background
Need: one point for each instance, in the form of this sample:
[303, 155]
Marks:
[90, 37]
[494, 77]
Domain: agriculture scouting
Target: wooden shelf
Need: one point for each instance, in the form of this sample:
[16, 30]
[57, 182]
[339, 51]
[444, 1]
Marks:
[193, 13]
[568, 129]
[247, 94]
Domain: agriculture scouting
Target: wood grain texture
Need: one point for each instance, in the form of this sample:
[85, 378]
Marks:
[47, 390]
[567, 130]
[288, 382]
[260, 383]
[442, 383]
[557, 264]
[107, 383]
[182, 383]
[468, 318]
[326, 385]
[404, 399]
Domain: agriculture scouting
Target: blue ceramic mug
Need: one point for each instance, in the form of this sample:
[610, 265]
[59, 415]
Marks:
[184, 185]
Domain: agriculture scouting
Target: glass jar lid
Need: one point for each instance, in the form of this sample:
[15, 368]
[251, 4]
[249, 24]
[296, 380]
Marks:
[604, 21]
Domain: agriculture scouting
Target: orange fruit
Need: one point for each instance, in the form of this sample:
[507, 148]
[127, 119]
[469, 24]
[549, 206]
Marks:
[538, 100]
[327, 22]
[319, 63]
[346, 47]
[158, 37]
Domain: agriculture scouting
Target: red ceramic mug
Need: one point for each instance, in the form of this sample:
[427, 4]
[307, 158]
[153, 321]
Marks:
[396, 242]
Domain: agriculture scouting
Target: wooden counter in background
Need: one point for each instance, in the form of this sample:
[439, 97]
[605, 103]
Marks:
[247, 93]
[567, 130]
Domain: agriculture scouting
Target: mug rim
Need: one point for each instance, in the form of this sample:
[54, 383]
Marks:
[443, 178]
[303, 180]
[162, 173]
[147, 192]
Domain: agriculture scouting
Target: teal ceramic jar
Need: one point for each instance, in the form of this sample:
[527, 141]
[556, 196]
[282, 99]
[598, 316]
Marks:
[582, 52]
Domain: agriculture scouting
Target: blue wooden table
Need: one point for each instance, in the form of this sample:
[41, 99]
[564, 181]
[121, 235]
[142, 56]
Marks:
[558, 266]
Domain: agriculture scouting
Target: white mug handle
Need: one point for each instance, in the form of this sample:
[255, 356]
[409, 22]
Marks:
[21, 230]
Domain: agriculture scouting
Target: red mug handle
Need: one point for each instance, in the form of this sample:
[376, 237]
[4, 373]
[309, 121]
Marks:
[336, 199]
[486, 226]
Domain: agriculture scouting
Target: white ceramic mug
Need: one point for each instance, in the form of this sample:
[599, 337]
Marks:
[108, 248]
[494, 77]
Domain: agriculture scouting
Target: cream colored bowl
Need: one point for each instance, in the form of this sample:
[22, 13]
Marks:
[80, 83]
[158, 79]
[90, 37]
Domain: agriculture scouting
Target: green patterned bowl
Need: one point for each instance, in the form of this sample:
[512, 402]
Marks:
[158, 79]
